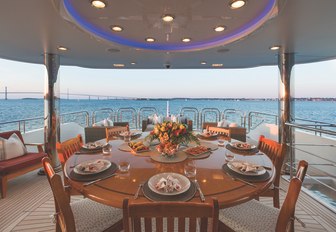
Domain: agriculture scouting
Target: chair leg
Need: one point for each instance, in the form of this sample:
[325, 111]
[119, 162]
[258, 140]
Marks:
[276, 199]
[3, 180]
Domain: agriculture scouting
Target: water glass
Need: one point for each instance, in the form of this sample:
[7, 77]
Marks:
[127, 137]
[190, 169]
[107, 149]
[229, 156]
[124, 166]
[221, 142]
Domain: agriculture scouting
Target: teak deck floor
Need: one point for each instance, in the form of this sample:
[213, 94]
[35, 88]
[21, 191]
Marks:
[29, 206]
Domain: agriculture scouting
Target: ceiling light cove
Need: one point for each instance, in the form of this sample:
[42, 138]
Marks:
[188, 18]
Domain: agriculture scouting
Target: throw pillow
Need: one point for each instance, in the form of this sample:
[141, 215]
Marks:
[12, 147]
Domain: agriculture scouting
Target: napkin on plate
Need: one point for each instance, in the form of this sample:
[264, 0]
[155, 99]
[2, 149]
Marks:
[245, 166]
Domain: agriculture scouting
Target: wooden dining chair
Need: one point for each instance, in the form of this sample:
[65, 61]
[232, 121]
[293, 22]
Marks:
[256, 216]
[82, 215]
[65, 150]
[276, 152]
[113, 132]
[170, 216]
[222, 132]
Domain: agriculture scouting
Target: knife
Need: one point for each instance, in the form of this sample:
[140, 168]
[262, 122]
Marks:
[241, 180]
[200, 191]
[95, 181]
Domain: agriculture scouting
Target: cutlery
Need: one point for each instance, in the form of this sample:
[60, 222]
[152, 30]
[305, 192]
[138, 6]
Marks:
[241, 180]
[136, 195]
[199, 190]
[100, 179]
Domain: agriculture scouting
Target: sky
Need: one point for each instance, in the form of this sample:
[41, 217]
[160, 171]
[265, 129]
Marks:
[260, 82]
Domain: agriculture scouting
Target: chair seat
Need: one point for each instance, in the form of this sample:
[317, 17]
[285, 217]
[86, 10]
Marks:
[250, 216]
[91, 216]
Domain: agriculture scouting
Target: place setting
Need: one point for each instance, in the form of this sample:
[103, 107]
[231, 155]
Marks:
[93, 170]
[130, 135]
[245, 171]
[169, 186]
[242, 148]
[207, 135]
[95, 147]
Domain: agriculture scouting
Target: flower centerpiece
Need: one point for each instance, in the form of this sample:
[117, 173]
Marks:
[171, 135]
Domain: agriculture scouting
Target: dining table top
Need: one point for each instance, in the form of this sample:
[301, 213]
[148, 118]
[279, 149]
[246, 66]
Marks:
[213, 180]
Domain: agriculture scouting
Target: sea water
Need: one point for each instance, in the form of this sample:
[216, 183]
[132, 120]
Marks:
[19, 109]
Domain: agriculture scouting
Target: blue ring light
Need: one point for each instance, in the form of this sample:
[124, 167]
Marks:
[197, 45]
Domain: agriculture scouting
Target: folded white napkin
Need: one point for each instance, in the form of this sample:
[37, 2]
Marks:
[245, 166]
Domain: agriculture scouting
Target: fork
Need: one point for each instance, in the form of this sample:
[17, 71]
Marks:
[136, 195]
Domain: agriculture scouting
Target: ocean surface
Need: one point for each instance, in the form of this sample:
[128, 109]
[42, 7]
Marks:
[11, 110]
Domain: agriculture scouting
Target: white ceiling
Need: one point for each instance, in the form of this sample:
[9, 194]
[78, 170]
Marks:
[28, 29]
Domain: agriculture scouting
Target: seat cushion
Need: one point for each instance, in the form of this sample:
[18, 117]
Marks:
[250, 216]
[12, 147]
[93, 217]
[15, 164]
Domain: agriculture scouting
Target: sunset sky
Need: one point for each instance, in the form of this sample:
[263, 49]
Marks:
[260, 82]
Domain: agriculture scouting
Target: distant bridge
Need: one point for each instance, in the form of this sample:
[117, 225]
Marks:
[64, 95]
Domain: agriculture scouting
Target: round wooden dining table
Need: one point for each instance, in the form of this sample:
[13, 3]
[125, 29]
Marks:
[213, 180]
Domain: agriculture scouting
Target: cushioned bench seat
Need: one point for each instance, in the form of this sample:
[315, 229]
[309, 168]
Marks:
[11, 168]
[12, 165]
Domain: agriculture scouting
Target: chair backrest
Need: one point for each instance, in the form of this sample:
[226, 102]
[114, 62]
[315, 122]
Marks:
[166, 215]
[64, 215]
[276, 152]
[112, 132]
[208, 124]
[68, 148]
[224, 132]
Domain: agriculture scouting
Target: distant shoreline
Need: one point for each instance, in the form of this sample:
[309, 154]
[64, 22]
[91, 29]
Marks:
[191, 99]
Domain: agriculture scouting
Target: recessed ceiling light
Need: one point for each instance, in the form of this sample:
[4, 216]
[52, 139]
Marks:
[275, 47]
[119, 65]
[219, 28]
[186, 40]
[150, 39]
[167, 18]
[217, 65]
[99, 4]
[116, 28]
[61, 48]
[203, 62]
[235, 4]
[133, 63]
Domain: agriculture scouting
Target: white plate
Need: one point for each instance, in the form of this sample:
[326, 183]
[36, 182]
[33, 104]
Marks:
[184, 181]
[80, 168]
[240, 146]
[92, 146]
[132, 133]
[259, 172]
[205, 135]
